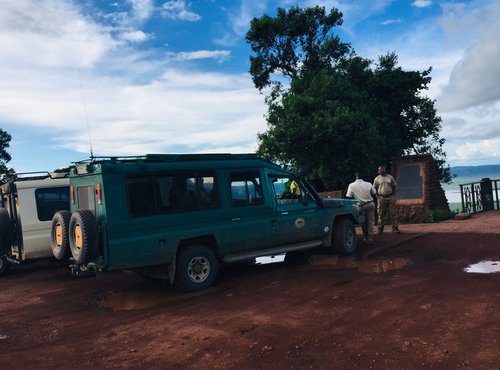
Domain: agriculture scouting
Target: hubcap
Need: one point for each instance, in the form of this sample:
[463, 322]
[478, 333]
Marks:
[349, 237]
[198, 269]
[78, 237]
[59, 235]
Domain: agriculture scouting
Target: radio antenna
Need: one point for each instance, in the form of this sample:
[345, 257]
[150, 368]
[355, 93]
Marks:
[85, 112]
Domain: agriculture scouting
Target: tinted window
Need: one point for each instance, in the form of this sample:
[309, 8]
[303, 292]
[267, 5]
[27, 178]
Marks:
[86, 197]
[195, 191]
[161, 193]
[141, 195]
[51, 200]
[246, 188]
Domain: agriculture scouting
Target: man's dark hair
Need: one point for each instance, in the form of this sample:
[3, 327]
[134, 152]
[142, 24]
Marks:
[358, 175]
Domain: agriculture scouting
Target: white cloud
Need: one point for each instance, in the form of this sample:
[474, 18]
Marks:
[202, 54]
[135, 36]
[355, 12]
[484, 149]
[422, 3]
[239, 21]
[142, 10]
[55, 60]
[177, 9]
[390, 21]
[55, 35]
[474, 80]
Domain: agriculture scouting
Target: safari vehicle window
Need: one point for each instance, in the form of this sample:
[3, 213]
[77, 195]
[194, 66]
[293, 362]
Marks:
[246, 188]
[195, 190]
[141, 195]
[86, 198]
[51, 200]
[286, 189]
[162, 193]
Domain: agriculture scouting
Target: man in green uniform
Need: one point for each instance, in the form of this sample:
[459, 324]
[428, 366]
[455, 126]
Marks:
[386, 199]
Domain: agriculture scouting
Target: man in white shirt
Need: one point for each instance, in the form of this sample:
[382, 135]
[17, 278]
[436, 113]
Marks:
[364, 192]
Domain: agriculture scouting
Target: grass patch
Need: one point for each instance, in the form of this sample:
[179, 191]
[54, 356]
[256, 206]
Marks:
[438, 215]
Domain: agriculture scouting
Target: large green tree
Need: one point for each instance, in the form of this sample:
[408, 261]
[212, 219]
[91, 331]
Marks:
[330, 110]
[5, 157]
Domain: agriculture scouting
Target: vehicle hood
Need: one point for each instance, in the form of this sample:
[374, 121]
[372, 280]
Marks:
[331, 202]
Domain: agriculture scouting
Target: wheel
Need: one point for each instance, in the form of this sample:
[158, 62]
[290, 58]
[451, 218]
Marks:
[59, 239]
[197, 268]
[83, 236]
[4, 266]
[5, 232]
[344, 237]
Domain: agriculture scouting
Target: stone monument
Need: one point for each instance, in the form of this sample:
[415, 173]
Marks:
[419, 189]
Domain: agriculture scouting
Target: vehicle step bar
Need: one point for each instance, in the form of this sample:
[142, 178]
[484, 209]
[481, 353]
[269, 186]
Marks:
[273, 251]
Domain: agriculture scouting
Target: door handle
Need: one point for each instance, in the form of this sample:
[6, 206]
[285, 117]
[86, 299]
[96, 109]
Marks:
[284, 213]
[236, 219]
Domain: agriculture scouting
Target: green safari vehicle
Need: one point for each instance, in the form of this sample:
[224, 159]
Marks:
[179, 216]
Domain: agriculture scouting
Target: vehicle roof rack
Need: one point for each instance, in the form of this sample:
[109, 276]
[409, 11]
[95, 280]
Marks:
[39, 175]
[170, 158]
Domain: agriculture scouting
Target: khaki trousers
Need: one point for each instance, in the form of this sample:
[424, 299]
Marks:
[387, 211]
[367, 226]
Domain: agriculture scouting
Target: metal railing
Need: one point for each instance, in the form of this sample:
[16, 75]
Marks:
[480, 196]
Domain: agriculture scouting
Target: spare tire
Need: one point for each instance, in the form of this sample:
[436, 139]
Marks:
[83, 236]
[59, 240]
[5, 232]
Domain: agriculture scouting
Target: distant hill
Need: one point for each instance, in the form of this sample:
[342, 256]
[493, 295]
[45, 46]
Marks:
[476, 171]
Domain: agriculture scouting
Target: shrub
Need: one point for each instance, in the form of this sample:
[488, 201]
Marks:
[437, 215]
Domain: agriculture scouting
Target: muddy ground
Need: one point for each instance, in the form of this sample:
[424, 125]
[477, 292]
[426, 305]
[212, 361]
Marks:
[409, 306]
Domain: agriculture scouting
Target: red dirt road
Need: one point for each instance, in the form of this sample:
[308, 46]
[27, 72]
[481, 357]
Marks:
[424, 312]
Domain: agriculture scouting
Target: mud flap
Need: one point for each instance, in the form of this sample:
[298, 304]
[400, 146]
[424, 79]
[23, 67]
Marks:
[171, 270]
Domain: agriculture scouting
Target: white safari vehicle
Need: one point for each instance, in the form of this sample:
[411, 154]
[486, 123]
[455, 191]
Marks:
[27, 204]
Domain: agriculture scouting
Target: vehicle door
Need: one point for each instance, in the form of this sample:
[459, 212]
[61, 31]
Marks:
[36, 208]
[298, 217]
[251, 212]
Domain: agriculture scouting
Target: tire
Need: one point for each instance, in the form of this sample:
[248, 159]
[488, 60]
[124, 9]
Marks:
[59, 238]
[197, 268]
[83, 236]
[5, 232]
[344, 237]
[4, 266]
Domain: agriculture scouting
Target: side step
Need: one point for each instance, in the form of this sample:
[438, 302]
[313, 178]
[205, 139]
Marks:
[273, 251]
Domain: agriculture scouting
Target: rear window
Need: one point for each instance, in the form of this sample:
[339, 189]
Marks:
[51, 200]
[86, 197]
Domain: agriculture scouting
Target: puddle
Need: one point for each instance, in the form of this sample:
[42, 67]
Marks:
[484, 267]
[343, 263]
[149, 298]
[363, 266]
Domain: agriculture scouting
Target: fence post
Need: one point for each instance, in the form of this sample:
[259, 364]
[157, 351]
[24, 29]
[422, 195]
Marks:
[486, 194]
[462, 196]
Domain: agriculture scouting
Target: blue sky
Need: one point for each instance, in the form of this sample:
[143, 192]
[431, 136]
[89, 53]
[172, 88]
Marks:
[144, 76]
